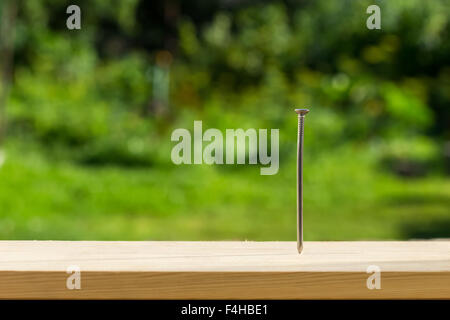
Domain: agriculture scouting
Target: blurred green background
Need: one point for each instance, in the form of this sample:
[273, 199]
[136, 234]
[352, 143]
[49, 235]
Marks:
[86, 117]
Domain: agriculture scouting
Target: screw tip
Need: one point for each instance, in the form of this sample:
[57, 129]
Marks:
[301, 112]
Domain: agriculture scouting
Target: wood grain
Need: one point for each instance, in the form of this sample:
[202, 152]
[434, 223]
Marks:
[224, 270]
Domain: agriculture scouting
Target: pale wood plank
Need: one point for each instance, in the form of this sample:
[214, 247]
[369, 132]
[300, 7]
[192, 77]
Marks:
[224, 270]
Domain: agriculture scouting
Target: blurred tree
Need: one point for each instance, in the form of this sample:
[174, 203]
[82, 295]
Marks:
[8, 10]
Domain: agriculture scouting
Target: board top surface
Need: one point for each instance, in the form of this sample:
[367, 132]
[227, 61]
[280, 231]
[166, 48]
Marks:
[225, 256]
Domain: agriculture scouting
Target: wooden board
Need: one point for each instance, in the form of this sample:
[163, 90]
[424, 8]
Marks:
[224, 270]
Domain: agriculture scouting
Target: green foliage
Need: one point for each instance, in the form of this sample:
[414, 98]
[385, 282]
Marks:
[83, 108]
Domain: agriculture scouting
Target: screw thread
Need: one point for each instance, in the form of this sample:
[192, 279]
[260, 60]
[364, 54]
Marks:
[301, 120]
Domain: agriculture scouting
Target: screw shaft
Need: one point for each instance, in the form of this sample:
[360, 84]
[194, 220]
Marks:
[301, 122]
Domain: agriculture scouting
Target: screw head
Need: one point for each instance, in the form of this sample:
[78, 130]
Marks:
[301, 112]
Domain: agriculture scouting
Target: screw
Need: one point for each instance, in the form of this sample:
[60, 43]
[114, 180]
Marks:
[301, 119]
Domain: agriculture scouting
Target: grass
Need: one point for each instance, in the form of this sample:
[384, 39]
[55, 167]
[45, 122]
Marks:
[347, 197]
